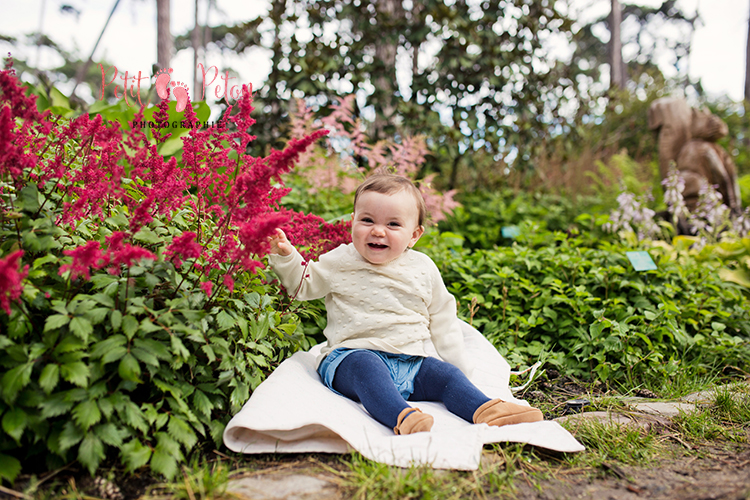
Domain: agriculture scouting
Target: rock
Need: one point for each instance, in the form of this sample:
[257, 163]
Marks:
[664, 409]
[287, 487]
[633, 420]
[739, 391]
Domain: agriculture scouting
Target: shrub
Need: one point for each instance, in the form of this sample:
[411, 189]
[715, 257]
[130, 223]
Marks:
[588, 312]
[136, 317]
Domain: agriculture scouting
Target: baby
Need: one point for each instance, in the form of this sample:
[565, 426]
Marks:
[383, 301]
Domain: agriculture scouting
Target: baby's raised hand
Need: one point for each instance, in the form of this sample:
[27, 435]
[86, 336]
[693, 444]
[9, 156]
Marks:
[280, 245]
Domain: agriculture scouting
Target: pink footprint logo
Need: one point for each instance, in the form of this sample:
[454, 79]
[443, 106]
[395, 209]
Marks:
[162, 82]
[181, 94]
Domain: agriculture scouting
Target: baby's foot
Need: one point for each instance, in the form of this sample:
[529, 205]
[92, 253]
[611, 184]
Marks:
[181, 94]
[498, 412]
[412, 420]
[162, 81]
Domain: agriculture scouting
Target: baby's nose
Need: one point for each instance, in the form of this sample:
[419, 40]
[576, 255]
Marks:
[378, 230]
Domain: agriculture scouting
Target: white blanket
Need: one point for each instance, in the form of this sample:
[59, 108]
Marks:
[293, 412]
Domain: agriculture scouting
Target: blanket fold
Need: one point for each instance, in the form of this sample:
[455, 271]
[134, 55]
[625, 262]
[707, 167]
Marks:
[293, 412]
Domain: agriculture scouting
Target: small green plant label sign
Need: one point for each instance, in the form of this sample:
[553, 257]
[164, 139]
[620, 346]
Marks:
[641, 261]
[511, 232]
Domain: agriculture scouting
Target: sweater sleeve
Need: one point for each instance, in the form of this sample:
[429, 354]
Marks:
[445, 328]
[303, 281]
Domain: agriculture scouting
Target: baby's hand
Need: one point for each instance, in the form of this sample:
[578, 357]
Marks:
[280, 245]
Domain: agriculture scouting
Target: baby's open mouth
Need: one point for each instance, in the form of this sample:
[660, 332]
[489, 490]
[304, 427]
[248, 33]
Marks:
[377, 246]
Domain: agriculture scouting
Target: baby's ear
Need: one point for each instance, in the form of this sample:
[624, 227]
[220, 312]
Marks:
[418, 232]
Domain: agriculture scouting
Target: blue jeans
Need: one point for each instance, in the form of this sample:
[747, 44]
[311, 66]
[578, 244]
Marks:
[364, 377]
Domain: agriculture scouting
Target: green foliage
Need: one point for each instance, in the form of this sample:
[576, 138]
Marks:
[588, 312]
[744, 183]
[138, 356]
[138, 367]
[482, 216]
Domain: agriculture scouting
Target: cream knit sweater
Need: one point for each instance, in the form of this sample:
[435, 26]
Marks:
[391, 307]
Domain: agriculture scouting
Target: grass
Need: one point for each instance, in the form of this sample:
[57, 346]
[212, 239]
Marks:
[723, 422]
[726, 418]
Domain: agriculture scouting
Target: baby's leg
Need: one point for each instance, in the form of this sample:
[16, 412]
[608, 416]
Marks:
[362, 376]
[441, 381]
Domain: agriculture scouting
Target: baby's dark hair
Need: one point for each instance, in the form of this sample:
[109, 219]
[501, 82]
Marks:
[386, 183]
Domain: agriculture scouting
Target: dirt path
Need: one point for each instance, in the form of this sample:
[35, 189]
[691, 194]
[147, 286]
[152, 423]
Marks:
[706, 473]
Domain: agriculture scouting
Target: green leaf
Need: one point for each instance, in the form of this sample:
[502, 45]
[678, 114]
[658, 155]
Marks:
[76, 373]
[181, 432]
[116, 319]
[16, 379]
[129, 369]
[55, 322]
[104, 300]
[178, 348]
[29, 197]
[202, 404]
[49, 378]
[86, 414]
[91, 452]
[146, 235]
[133, 416]
[70, 436]
[10, 467]
[148, 327]
[240, 395]
[14, 423]
[81, 327]
[158, 349]
[114, 355]
[164, 463]
[135, 455]
[110, 434]
[104, 347]
[144, 356]
[129, 326]
[97, 315]
[55, 405]
[224, 320]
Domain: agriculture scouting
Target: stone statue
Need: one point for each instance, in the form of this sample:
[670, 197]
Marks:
[688, 136]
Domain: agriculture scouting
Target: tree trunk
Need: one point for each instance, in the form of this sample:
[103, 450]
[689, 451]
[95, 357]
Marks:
[195, 38]
[747, 63]
[163, 34]
[616, 73]
[385, 52]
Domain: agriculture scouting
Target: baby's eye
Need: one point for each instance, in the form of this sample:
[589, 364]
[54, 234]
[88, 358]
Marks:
[394, 224]
[367, 219]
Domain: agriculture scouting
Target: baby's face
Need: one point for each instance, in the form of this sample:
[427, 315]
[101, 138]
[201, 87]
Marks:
[385, 225]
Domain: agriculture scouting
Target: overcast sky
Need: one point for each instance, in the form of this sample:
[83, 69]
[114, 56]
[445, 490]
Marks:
[718, 55]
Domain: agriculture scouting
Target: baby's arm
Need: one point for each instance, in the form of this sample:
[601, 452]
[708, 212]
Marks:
[303, 281]
[445, 328]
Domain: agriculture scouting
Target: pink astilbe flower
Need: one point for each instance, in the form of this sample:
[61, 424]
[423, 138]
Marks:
[207, 287]
[229, 283]
[84, 258]
[120, 253]
[253, 238]
[183, 247]
[129, 255]
[11, 279]
[313, 236]
[439, 205]
[141, 215]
